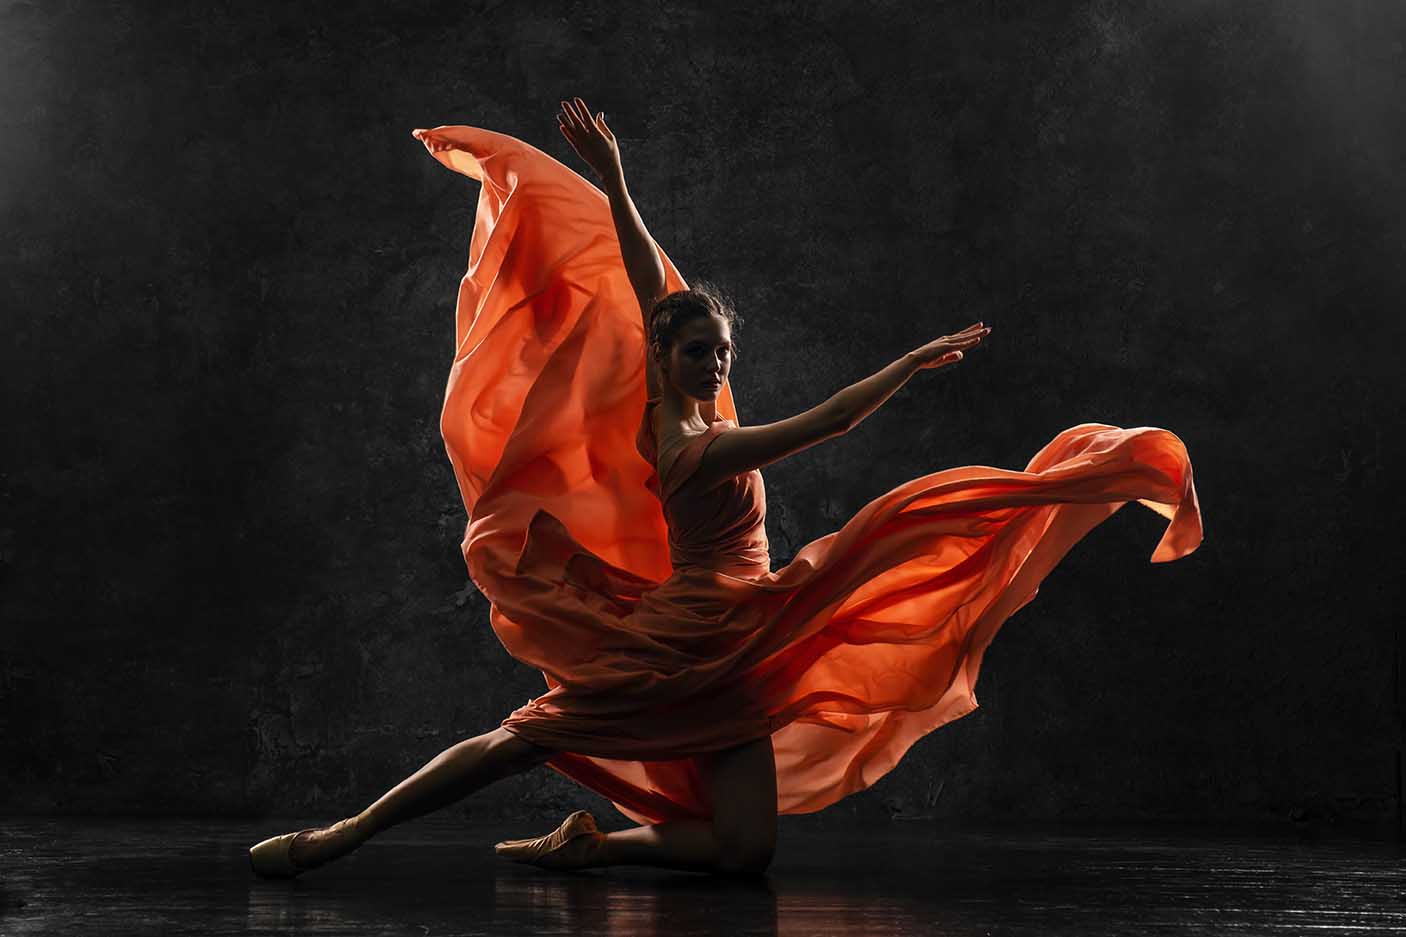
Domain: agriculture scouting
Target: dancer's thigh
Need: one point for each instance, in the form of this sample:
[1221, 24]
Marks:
[741, 785]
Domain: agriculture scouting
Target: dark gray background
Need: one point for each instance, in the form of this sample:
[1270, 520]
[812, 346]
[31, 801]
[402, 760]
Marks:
[231, 575]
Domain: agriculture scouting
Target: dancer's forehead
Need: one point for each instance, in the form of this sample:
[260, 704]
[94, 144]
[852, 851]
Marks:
[707, 329]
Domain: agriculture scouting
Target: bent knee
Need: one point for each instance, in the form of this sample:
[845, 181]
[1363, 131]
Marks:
[746, 857]
[519, 752]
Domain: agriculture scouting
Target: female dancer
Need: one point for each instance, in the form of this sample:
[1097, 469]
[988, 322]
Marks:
[704, 697]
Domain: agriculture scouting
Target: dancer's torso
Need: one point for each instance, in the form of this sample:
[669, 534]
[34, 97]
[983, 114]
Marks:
[722, 527]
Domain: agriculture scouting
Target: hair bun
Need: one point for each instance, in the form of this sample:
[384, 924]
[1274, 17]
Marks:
[680, 307]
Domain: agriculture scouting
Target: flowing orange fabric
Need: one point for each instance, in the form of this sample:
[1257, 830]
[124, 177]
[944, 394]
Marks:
[649, 607]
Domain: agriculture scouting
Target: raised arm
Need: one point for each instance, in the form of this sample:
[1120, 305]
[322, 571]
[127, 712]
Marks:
[595, 143]
[752, 447]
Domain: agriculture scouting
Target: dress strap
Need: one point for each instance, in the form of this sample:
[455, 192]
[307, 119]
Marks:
[690, 456]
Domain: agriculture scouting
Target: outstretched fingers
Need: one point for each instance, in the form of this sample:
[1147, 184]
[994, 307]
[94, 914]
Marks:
[576, 117]
[970, 335]
[969, 341]
[569, 116]
[583, 113]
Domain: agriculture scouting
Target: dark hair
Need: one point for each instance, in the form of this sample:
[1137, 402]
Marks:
[683, 306]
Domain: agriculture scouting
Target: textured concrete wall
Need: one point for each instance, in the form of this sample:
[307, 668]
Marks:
[231, 579]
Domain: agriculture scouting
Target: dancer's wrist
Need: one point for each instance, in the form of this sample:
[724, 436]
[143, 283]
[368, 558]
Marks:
[613, 177]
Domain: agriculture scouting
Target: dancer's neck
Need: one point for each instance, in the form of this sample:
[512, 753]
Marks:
[693, 414]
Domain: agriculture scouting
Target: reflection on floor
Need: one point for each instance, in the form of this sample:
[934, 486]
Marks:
[112, 877]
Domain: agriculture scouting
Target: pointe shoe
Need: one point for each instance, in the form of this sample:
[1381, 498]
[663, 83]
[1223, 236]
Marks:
[273, 858]
[570, 846]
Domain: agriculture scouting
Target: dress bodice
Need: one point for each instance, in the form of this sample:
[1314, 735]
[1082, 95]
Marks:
[722, 527]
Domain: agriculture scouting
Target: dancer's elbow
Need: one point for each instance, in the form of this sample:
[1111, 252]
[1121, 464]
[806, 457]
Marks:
[836, 417]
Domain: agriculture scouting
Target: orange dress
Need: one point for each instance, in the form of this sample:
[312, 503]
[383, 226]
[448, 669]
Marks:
[650, 606]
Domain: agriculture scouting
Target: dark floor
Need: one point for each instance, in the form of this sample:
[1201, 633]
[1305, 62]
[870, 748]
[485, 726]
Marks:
[111, 877]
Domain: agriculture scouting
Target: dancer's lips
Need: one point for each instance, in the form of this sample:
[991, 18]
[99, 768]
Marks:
[713, 383]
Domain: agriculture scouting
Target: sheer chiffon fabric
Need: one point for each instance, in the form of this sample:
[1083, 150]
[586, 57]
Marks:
[649, 606]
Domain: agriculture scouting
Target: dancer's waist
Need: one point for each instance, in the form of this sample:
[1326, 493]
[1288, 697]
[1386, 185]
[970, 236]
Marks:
[744, 563]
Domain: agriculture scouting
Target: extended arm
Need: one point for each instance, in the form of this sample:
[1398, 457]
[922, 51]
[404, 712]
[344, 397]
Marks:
[640, 254]
[752, 447]
[595, 143]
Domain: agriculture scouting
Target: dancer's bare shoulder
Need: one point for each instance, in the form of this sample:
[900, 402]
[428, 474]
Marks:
[670, 437]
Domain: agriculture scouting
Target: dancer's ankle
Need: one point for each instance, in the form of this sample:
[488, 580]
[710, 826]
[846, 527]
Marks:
[325, 844]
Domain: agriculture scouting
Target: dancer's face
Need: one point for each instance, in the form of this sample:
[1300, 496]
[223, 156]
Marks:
[701, 354]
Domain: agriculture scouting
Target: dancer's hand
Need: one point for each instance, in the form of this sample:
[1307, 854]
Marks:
[948, 349]
[589, 137]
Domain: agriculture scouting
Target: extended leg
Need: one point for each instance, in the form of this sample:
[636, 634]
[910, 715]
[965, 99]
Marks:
[451, 775]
